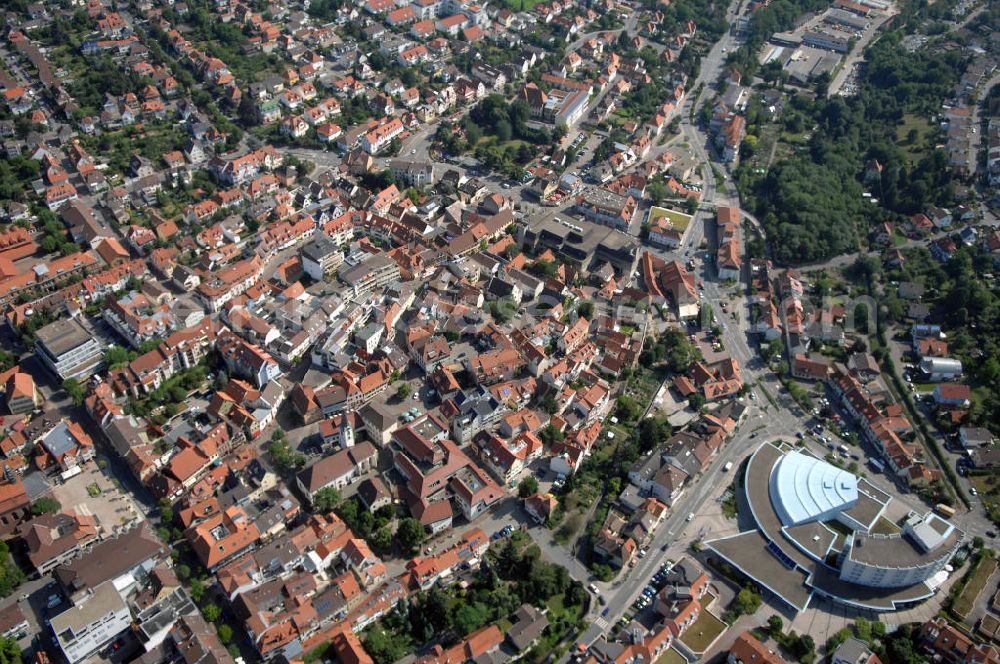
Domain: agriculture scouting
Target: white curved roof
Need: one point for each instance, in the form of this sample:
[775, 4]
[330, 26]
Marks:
[804, 488]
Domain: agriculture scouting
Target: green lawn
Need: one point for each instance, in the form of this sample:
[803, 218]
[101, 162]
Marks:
[924, 128]
[642, 386]
[671, 657]
[679, 220]
[963, 603]
[705, 630]
[521, 5]
[558, 608]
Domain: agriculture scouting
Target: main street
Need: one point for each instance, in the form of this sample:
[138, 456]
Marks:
[762, 420]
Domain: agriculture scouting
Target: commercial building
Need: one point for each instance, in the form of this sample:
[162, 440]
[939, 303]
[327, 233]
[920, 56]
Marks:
[937, 369]
[825, 41]
[321, 257]
[794, 553]
[564, 107]
[606, 207]
[413, 173]
[69, 348]
[91, 623]
[121, 560]
[338, 470]
[370, 274]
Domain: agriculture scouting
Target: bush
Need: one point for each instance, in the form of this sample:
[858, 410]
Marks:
[45, 505]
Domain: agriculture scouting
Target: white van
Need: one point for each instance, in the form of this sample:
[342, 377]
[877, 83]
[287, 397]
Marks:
[727, 467]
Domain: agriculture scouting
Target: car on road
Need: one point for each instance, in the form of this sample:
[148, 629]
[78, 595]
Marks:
[973, 491]
[990, 533]
[690, 516]
[593, 588]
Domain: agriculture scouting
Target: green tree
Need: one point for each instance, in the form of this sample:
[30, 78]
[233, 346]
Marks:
[775, 625]
[74, 390]
[410, 533]
[197, 591]
[652, 431]
[863, 628]
[403, 391]
[805, 647]
[211, 612]
[628, 408]
[7, 360]
[10, 652]
[225, 633]
[45, 505]
[503, 131]
[774, 350]
[470, 617]
[748, 601]
[383, 646]
[550, 434]
[248, 112]
[528, 487]
[382, 538]
[117, 357]
[657, 192]
[326, 500]
[861, 318]
[11, 575]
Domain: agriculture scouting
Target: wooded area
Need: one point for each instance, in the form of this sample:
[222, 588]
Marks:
[811, 202]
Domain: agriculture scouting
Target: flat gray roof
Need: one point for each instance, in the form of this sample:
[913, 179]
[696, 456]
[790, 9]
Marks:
[64, 335]
[748, 551]
[103, 600]
[814, 537]
[866, 510]
[894, 551]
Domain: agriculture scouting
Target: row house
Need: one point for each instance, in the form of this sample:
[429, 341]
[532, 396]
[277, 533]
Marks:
[180, 351]
[218, 288]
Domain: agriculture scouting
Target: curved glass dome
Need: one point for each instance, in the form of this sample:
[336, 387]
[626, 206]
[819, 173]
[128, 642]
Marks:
[804, 488]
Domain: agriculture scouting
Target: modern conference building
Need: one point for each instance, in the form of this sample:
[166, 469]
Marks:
[817, 532]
